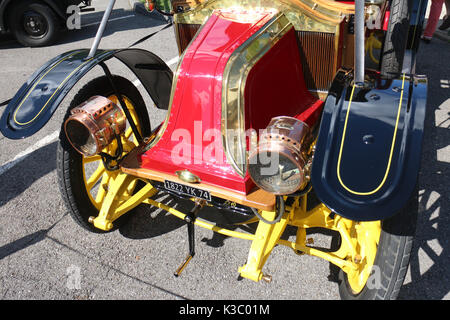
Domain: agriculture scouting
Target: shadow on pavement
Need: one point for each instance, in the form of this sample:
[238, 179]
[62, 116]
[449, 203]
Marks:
[430, 257]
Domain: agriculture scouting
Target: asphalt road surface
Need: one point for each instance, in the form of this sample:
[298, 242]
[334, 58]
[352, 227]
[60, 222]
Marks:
[45, 255]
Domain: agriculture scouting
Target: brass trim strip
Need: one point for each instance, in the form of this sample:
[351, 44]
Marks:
[305, 15]
[339, 6]
[235, 76]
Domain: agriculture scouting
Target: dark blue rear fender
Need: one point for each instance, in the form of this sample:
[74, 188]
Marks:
[36, 101]
[368, 151]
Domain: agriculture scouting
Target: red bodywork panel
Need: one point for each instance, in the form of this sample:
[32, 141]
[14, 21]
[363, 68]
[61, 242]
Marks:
[385, 25]
[274, 87]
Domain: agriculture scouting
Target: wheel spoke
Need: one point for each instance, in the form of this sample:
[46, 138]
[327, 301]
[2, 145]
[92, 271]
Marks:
[91, 159]
[128, 133]
[101, 190]
[136, 199]
[93, 179]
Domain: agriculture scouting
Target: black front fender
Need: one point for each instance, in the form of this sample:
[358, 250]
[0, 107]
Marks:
[36, 101]
[368, 151]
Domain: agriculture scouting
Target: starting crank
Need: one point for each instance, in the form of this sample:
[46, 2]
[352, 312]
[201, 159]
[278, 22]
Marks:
[190, 219]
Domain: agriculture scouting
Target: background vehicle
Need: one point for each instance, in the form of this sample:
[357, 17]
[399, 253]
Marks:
[36, 23]
[285, 78]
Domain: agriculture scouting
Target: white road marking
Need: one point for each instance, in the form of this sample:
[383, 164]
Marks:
[173, 61]
[113, 19]
[170, 63]
[22, 155]
[53, 136]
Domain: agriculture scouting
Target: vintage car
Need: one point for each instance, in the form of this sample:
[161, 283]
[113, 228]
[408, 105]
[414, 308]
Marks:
[300, 113]
[37, 22]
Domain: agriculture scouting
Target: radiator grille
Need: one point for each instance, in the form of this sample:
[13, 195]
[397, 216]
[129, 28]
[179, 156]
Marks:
[319, 58]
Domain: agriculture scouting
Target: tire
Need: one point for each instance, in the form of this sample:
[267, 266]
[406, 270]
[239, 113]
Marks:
[396, 39]
[70, 165]
[33, 24]
[392, 259]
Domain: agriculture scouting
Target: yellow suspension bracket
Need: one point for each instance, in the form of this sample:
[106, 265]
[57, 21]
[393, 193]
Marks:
[120, 199]
[359, 241]
[266, 237]
[321, 217]
[350, 257]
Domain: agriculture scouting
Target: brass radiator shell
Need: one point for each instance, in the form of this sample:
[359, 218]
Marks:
[320, 52]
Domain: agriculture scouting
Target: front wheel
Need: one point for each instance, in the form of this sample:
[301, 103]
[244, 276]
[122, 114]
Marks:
[84, 181]
[384, 276]
[394, 46]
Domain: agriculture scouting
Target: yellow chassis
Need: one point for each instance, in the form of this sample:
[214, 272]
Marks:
[355, 255]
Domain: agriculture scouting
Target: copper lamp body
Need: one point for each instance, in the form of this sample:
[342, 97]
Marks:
[279, 162]
[94, 124]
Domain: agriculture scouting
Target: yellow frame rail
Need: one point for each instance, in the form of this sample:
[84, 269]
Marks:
[350, 257]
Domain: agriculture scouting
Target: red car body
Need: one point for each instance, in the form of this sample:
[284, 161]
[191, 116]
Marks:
[275, 85]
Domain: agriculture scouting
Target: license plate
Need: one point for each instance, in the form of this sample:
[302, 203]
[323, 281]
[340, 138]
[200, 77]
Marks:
[187, 190]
